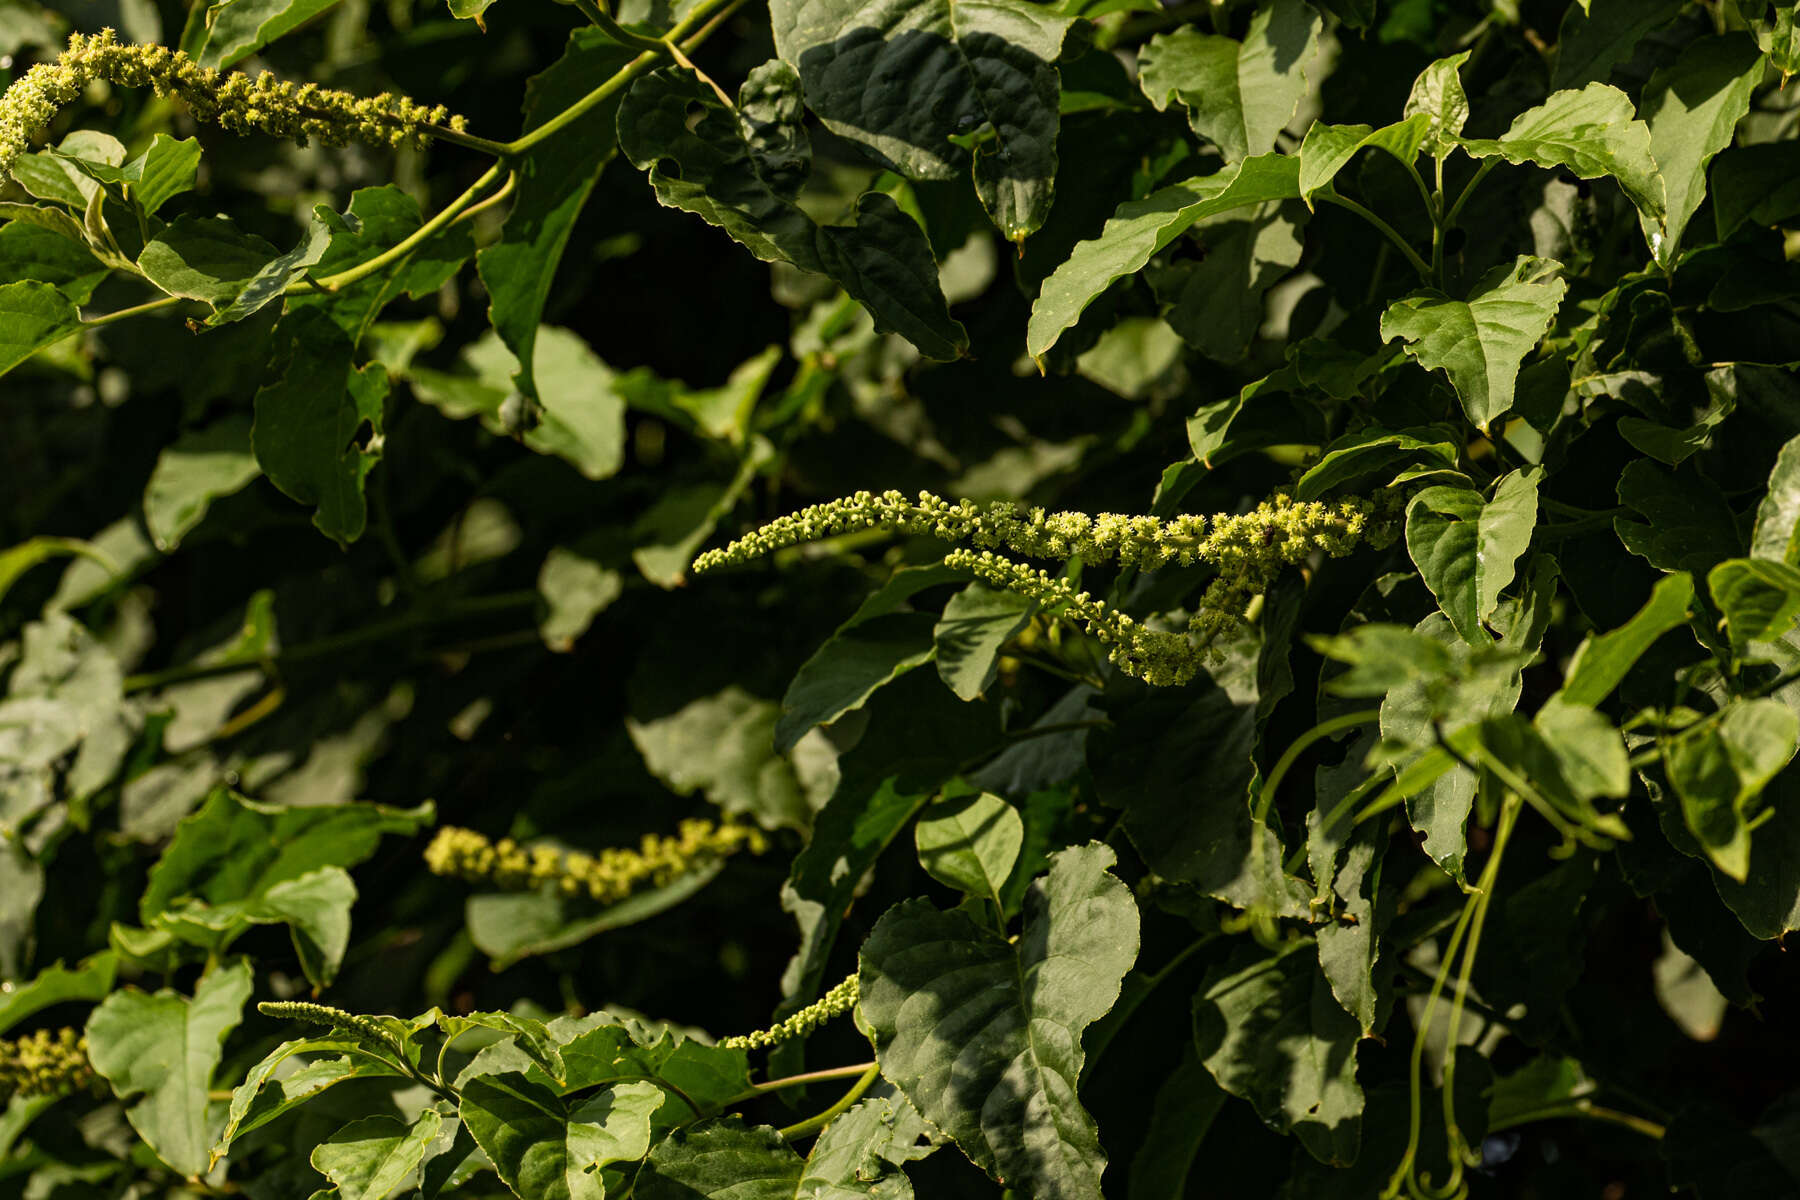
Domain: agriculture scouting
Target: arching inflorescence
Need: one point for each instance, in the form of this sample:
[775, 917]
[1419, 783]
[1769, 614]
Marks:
[607, 877]
[50, 1062]
[1249, 549]
[839, 1000]
[233, 100]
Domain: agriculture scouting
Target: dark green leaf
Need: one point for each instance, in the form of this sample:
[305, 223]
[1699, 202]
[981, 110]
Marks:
[1468, 549]
[32, 315]
[989, 1047]
[1692, 107]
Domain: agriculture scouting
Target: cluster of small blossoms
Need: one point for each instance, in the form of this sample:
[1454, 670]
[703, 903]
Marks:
[1143, 542]
[50, 1062]
[607, 877]
[1162, 659]
[233, 100]
[839, 1000]
[1251, 549]
[366, 1029]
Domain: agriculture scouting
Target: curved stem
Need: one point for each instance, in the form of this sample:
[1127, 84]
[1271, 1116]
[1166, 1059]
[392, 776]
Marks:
[1487, 164]
[136, 310]
[789, 1081]
[413, 240]
[1388, 231]
[1291, 755]
[1583, 1109]
[458, 137]
[700, 20]
[812, 1125]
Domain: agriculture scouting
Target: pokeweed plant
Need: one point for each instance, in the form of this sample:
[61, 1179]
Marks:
[1336, 742]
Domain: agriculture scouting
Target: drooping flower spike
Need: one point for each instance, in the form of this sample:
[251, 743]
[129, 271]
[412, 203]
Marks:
[231, 99]
[1249, 549]
[839, 1000]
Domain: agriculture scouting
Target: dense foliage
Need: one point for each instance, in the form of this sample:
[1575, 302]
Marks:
[943, 597]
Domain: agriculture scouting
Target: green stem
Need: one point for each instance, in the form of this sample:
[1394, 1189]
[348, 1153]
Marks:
[136, 310]
[811, 1125]
[1291, 755]
[852, 1071]
[1388, 231]
[1583, 1109]
[458, 137]
[697, 20]
[604, 21]
[1487, 164]
[336, 644]
[405, 246]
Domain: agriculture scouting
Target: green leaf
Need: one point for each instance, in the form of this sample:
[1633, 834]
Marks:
[236, 29]
[1372, 449]
[582, 400]
[1328, 149]
[369, 1159]
[727, 745]
[554, 180]
[575, 589]
[1687, 526]
[967, 640]
[1602, 34]
[167, 168]
[724, 1159]
[204, 258]
[1592, 133]
[742, 169]
[378, 219]
[1777, 533]
[1270, 1031]
[308, 432]
[878, 644]
[1720, 769]
[1601, 661]
[1216, 304]
[1590, 753]
[33, 315]
[29, 250]
[986, 1040]
[970, 843]
[163, 1048]
[1239, 95]
[1480, 342]
[1759, 597]
[191, 472]
[236, 849]
[545, 1147]
[271, 281]
[1438, 96]
[989, 70]
[511, 926]
[1142, 228]
[1182, 1115]
[1468, 549]
[1692, 107]
[90, 979]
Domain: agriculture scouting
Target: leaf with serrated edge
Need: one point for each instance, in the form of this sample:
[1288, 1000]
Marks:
[369, 1159]
[1239, 95]
[163, 1048]
[1480, 342]
[548, 1148]
[1692, 107]
[987, 68]
[1593, 133]
[984, 1037]
[1467, 548]
[1141, 228]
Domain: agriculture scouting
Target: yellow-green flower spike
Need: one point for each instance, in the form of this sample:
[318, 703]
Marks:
[1249, 549]
[362, 1028]
[607, 877]
[50, 1062]
[839, 1000]
[233, 100]
[1162, 659]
